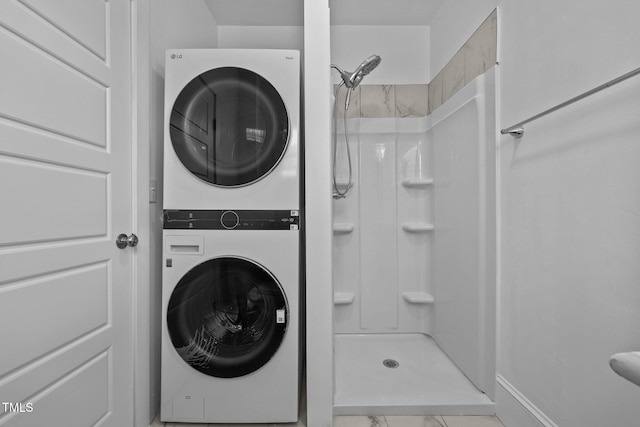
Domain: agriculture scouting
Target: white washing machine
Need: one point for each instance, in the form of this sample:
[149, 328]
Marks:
[232, 129]
[230, 310]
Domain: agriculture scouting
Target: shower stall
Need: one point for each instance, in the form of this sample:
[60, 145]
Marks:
[414, 263]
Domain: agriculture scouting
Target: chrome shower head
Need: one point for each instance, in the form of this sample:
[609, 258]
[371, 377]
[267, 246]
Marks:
[368, 65]
[352, 79]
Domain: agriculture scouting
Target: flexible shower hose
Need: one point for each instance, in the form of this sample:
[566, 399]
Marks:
[337, 194]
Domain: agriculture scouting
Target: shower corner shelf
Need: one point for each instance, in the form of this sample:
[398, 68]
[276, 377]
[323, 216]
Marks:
[343, 228]
[417, 227]
[417, 183]
[418, 297]
[343, 298]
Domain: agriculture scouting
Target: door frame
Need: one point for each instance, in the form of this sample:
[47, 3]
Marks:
[146, 399]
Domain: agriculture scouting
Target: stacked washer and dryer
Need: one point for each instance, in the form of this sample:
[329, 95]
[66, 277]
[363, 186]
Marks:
[231, 247]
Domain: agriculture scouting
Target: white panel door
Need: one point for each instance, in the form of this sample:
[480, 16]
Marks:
[66, 352]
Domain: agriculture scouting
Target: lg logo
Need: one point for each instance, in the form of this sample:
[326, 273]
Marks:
[174, 56]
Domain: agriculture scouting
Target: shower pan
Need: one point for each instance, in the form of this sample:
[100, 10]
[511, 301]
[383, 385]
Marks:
[414, 262]
[401, 374]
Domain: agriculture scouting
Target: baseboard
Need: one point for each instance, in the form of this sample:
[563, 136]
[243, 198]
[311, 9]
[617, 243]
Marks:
[515, 410]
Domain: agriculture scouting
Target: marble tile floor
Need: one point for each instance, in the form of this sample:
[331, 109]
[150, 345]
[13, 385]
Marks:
[372, 421]
[417, 421]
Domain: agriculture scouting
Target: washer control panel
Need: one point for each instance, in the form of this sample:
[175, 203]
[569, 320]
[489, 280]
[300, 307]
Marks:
[231, 219]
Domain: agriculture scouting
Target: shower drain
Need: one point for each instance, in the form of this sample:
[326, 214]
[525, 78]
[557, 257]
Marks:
[390, 363]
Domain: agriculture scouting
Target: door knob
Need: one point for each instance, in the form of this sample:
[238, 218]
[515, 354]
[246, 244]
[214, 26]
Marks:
[122, 241]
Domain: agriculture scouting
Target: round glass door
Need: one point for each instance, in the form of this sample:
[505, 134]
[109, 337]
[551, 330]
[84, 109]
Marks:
[227, 317]
[229, 127]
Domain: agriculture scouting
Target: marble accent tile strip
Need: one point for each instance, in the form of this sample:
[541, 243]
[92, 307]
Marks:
[412, 100]
[480, 51]
[453, 78]
[377, 101]
[476, 56]
[354, 102]
[385, 101]
[435, 92]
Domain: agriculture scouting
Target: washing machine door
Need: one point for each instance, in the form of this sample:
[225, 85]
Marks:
[229, 127]
[227, 317]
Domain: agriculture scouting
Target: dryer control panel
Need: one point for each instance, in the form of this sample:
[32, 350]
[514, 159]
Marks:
[231, 219]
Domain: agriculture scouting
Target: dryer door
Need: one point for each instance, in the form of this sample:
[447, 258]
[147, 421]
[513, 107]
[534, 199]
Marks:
[229, 127]
[227, 317]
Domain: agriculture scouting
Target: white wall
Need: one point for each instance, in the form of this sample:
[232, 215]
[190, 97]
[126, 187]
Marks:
[404, 51]
[318, 230]
[570, 209]
[146, 380]
[183, 24]
[570, 206]
[169, 24]
[264, 37]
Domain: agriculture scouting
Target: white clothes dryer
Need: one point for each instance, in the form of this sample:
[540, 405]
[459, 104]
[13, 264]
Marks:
[230, 310]
[232, 129]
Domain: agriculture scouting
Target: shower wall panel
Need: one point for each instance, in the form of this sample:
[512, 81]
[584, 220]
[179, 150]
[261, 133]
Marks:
[346, 240]
[382, 229]
[378, 243]
[464, 135]
[414, 206]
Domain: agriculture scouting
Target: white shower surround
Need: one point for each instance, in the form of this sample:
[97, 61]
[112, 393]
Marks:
[464, 130]
[414, 256]
[375, 260]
